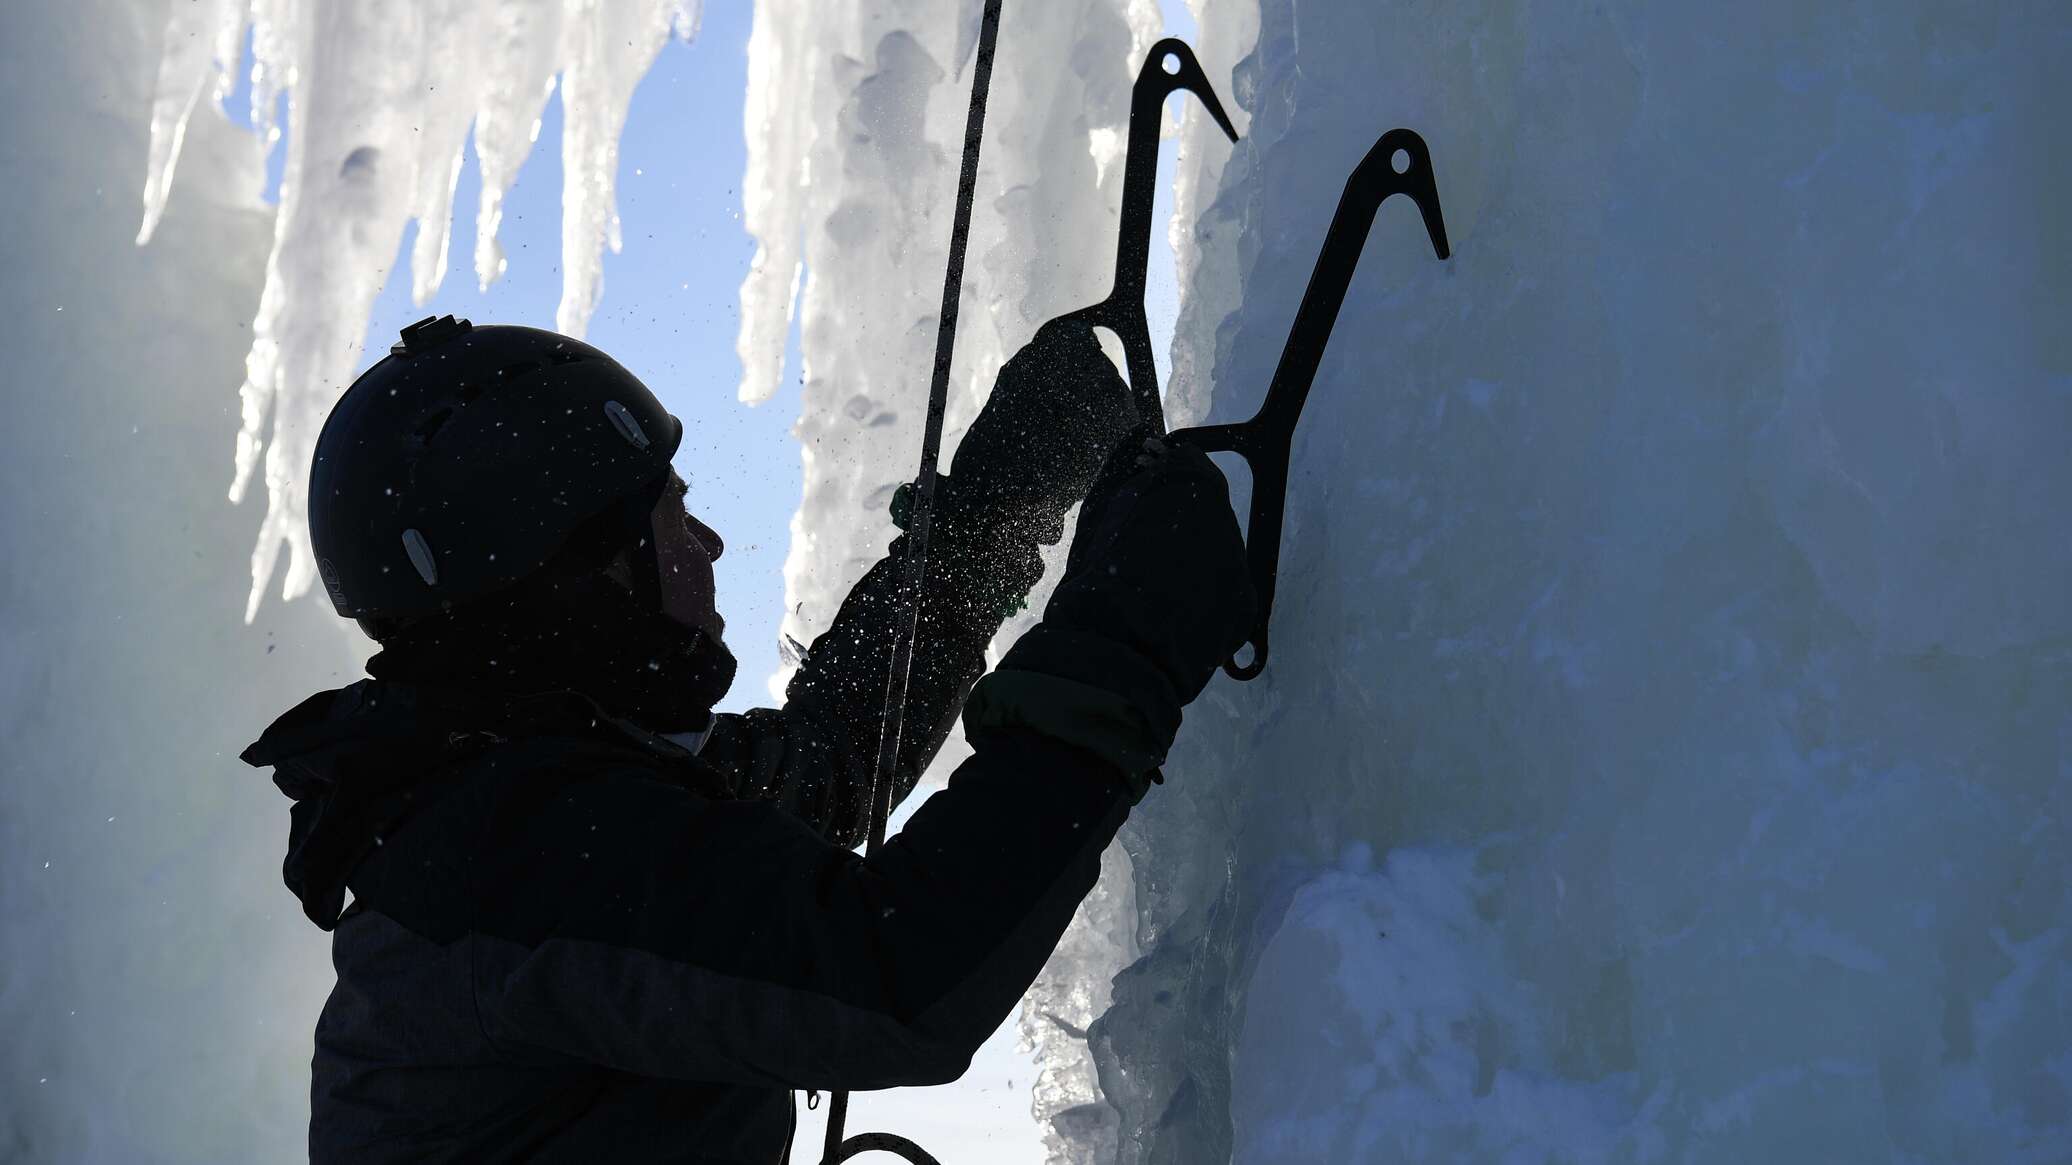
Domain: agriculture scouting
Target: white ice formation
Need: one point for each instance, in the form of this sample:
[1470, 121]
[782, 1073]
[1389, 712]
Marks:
[1664, 752]
[381, 97]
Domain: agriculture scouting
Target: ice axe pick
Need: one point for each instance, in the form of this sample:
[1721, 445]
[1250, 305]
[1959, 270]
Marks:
[1169, 67]
[1264, 441]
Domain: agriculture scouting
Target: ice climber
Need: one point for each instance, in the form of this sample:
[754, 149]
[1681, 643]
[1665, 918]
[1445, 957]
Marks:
[593, 921]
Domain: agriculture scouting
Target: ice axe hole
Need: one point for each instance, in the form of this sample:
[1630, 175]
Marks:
[1400, 161]
[1111, 347]
[1244, 655]
[1238, 472]
[1170, 62]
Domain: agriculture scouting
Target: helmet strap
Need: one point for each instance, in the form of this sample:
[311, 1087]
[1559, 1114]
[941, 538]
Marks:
[645, 566]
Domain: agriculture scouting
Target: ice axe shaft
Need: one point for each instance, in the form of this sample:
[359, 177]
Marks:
[1168, 68]
[1264, 441]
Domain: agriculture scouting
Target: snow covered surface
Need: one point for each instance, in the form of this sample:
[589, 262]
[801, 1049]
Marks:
[381, 95]
[1664, 755]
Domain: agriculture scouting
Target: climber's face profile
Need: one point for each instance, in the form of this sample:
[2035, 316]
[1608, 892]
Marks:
[685, 549]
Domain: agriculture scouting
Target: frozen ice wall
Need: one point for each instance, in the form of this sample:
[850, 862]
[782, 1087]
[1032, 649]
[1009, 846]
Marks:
[1664, 756]
[381, 95]
[155, 989]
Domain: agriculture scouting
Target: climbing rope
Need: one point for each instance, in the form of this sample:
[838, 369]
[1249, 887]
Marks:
[920, 520]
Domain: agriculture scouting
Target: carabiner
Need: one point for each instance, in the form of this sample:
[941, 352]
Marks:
[891, 1143]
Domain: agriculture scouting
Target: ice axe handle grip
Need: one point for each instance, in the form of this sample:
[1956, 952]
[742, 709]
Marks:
[1264, 440]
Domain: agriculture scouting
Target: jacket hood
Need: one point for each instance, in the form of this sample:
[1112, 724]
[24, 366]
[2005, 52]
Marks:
[357, 760]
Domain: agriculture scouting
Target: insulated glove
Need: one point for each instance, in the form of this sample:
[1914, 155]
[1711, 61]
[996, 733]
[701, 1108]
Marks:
[1056, 412]
[1154, 598]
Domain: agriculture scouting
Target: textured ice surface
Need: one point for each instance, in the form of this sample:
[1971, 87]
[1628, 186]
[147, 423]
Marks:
[381, 96]
[1664, 753]
[156, 984]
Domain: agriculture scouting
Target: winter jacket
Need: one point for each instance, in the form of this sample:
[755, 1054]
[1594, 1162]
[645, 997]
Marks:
[573, 940]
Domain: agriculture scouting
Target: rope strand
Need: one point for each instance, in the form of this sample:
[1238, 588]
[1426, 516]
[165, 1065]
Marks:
[906, 621]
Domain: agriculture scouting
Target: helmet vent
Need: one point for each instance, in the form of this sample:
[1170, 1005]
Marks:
[518, 371]
[420, 553]
[627, 424]
[431, 424]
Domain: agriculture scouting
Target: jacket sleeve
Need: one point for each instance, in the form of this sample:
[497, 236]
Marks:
[817, 756]
[632, 925]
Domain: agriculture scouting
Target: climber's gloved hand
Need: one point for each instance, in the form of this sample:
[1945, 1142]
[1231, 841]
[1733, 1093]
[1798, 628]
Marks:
[1158, 565]
[1057, 410]
[1154, 598]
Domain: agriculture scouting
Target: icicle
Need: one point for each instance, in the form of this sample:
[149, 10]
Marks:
[609, 49]
[380, 101]
[523, 47]
[779, 127]
[201, 43]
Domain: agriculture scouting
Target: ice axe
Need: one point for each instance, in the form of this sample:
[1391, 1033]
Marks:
[1264, 440]
[1168, 68]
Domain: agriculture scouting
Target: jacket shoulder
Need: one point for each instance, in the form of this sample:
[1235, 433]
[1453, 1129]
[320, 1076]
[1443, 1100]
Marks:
[516, 804]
